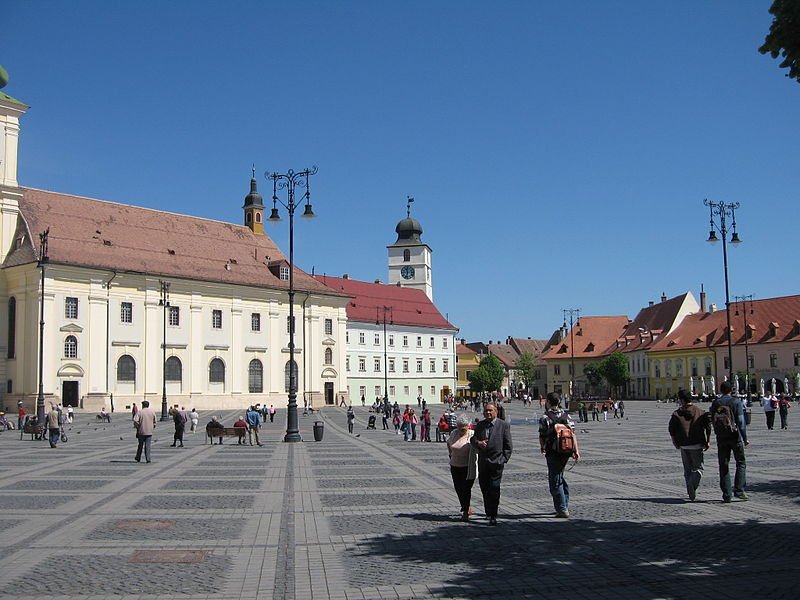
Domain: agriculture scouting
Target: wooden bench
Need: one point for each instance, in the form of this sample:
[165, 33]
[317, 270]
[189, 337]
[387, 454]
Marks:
[34, 429]
[219, 432]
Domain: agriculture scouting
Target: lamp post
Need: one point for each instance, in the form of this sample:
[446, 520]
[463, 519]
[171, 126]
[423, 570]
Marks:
[743, 300]
[387, 310]
[43, 259]
[722, 211]
[164, 302]
[290, 181]
[573, 313]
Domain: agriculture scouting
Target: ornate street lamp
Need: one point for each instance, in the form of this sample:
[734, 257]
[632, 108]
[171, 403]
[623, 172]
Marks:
[572, 313]
[722, 211]
[387, 310]
[289, 181]
[43, 260]
[164, 302]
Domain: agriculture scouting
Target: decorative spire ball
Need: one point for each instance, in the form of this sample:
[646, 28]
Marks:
[3, 77]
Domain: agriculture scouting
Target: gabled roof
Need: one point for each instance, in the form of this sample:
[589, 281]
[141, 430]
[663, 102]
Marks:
[408, 306]
[118, 237]
[707, 330]
[592, 335]
[465, 350]
[505, 354]
[534, 347]
[650, 323]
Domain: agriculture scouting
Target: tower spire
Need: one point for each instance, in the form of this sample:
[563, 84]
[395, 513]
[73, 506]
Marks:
[408, 206]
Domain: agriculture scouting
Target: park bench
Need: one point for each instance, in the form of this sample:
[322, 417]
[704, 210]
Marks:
[218, 432]
[34, 429]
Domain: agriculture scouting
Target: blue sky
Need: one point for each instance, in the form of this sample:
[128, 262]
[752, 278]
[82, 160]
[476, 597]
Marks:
[559, 153]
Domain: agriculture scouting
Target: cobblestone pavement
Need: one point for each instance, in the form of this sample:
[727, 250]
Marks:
[368, 516]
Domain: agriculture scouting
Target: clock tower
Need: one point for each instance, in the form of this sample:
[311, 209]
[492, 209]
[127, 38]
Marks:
[410, 257]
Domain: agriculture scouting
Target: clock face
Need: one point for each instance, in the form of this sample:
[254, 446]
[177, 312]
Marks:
[407, 272]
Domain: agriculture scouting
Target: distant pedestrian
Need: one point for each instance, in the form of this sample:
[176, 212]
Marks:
[783, 409]
[595, 412]
[616, 409]
[241, 429]
[492, 440]
[363, 400]
[53, 425]
[769, 404]
[463, 464]
[425, 426]
[253, 419]
[145, 423]
[134, 410]
[214, 428]
[556, 458]
[731, 442]
[385, 418]
[70, 414]
[272, 412]
[604, 410]
[396, 421]
[621, 409]
[413, 421]
[194, 417]
[690, 430]
[22, 412]
[179, 420]
[351, 418]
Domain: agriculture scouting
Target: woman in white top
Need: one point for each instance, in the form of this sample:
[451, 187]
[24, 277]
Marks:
[463, 464]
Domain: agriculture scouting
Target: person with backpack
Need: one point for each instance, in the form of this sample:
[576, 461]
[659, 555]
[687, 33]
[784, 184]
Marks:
[727, 418]
[558, 444]
[690, 430]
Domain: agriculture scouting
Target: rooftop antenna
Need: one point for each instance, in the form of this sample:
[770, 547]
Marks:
[408, 206]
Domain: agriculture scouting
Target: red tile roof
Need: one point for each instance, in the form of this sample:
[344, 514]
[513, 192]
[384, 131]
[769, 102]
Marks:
[593, 337]
[534, 347]
[409, 306]
[651, 320]
[465, 350]
[707, 330]
[104, 235]
[505, 353]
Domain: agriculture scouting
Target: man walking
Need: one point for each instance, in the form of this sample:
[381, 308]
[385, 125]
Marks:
[145, 423]
[729, 441]
[690, 430]
[253, 418]
[492, 440]
[556, 459]
[272, 412]
[53, 425]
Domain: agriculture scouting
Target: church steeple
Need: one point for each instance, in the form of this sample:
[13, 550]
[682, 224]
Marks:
[254, 208]
[409, 256]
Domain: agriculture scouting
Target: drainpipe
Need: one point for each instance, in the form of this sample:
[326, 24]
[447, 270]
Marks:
[306, 351]
[107, 285]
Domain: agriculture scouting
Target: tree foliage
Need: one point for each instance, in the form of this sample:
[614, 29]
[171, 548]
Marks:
[488, 377]
[524, 366]
[615, 369]
[594, 374]
[783, 38]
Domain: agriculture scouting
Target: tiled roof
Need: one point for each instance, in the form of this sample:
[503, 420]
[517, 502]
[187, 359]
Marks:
[465, 350]
[534, 347]
[104, 235]
[707, 330]
[650, 321]
[505, 353]
[593, 337]
[408, 306]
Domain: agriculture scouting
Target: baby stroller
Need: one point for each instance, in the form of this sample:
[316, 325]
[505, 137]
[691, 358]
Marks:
[371, 422]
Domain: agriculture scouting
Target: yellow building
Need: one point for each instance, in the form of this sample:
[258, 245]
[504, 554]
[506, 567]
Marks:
[467, 360]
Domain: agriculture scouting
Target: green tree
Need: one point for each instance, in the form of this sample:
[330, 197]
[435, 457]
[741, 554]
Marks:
[524, 366]
[594, 374]
[615, 370]
[783, 38]
[488, 377]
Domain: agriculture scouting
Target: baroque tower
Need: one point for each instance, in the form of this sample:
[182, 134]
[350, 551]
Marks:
[410, 257]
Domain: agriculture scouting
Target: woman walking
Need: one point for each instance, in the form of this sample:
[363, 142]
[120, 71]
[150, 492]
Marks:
[463, 464]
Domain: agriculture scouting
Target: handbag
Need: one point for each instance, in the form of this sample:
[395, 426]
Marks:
[64, 437]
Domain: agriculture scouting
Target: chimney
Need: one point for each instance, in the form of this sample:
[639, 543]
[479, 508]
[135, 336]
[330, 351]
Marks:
[346, 276]
[650, 303]
[702, 299]
[712, 308]
[663, 297]
[377, 281]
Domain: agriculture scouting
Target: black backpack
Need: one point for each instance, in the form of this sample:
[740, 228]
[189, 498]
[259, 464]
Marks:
[724, 421]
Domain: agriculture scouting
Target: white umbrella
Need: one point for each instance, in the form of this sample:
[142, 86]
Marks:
[772, 385]
[785, 385]
[762, 388]
[736, 385]
[713, 385]
[691, 385]
[796, 383]
[702, 385]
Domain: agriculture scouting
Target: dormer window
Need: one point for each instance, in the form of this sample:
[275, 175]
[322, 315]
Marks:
[590, 347]
[773, 329]
[563, 349]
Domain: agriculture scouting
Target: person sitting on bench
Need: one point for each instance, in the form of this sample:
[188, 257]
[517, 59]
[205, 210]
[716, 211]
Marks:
[214, 425]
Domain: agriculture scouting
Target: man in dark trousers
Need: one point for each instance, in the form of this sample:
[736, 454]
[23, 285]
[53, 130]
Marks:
[492, 440]
[731, 443]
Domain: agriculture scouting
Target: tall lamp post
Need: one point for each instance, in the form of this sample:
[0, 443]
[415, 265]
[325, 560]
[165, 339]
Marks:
[722, 211]
[43, 259]
[387, 310]
[572, 313]
[164, 302]
[743, 300]
[289, 181]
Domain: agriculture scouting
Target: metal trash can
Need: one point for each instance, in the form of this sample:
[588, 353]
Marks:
[319, 430]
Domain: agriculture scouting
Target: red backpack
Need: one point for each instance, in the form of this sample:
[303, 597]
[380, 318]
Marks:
[563, 440]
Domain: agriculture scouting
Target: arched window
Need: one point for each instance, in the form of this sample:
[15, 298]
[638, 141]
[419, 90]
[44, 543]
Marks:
[126, 368]
[293, 366]
[173, 369]
[406, 255]
[258, 217]
[12, 326]
[328, 356]
[247, 218]
[255, 377]
[71, 347]
[216, 371]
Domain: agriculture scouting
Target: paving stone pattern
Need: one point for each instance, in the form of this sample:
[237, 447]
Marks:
[374, 517]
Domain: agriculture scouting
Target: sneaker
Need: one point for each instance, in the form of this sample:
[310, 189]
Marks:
[562, 514]
[726, 499]
[741, 496]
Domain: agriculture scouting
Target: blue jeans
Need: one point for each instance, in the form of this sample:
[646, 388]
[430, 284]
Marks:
[724, 450]
[559, 488]
[692, 469]
[55, 436]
